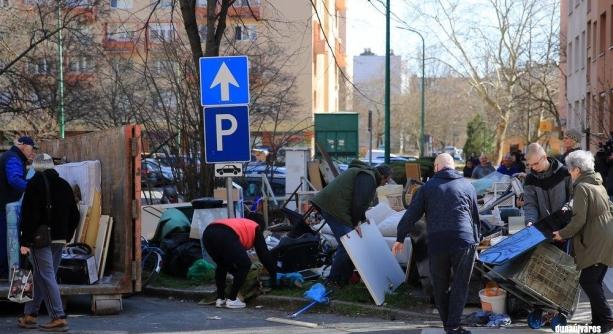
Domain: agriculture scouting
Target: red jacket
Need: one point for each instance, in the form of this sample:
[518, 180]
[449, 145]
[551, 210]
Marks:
[244, 229]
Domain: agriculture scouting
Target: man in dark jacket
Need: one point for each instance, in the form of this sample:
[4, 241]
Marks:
[547, 187]
[450, 205]
[12, 185]
[343, 204]
[571, 141]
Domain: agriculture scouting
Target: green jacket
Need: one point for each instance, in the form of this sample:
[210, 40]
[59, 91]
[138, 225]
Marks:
[592, 224]
[337, 197]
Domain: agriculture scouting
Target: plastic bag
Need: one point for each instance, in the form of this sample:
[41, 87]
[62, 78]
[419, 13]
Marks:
[21, 287]
[201, 270]
[317, 293]
[293, 279]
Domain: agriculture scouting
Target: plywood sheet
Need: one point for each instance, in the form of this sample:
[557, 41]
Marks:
[374, 261]
[93, 220]
[105, 251]
[326, 171]
[315, 174]
[101, 241]
[412, 170]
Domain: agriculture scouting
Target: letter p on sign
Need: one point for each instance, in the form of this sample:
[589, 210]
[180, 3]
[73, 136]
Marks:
[220, 131]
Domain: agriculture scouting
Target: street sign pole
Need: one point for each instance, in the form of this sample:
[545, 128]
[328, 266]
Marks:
[229, 193]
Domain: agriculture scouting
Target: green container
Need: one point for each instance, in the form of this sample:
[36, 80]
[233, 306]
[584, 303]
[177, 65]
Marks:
[337, 133]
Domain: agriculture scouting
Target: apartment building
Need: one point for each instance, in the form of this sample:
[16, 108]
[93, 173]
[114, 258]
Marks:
[587, 42]
[140, 30]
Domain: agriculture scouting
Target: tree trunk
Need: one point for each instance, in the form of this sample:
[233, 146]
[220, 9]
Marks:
[501, 135]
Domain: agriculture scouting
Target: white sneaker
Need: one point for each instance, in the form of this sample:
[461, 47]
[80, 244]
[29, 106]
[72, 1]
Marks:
[237, 303]
[220, 303]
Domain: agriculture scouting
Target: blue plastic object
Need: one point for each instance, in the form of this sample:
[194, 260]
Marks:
[535, 319]
[558, 320]
[513, 246]
[317, 293]
[292, 277]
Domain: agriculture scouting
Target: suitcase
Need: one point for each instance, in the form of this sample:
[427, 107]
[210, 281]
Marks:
[77, 269]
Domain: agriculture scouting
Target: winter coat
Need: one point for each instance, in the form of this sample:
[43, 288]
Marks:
[546, 192]
[452, 217]
[64, 213]
[591, 227]
[481, 171]
[12, 176]
[348, 197]
[502, 169]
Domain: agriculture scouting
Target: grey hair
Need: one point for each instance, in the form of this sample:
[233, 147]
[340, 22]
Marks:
[584, 160]
[445, 160]
[42, 162]
[535, 149]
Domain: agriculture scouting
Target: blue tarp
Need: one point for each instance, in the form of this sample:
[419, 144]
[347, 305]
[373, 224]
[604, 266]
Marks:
[512, 246]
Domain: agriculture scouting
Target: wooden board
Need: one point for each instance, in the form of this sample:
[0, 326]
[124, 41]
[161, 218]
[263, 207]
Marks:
[315, 174]
[105, 251]
[374, 261]
[412, 170]
[83, 209]
[101, 241]
[93, 220]
[326, 171]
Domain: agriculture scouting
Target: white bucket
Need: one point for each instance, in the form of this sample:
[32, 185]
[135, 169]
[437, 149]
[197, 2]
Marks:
[493, 300]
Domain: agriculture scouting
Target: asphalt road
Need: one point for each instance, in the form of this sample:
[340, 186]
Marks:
[155, 315]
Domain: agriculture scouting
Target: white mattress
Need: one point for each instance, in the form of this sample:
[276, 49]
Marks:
[85, 174]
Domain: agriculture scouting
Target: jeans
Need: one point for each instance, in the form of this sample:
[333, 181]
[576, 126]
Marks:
[591, 282]
[450, 273]
[4, 269]
[342, 267]
[46, 262]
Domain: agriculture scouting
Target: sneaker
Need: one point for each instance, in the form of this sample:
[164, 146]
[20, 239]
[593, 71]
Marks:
[56, 325]
[458, 330]
[220, 302]
[237, 303]
[27, 321]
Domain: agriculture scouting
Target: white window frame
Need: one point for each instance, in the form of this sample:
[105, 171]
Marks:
[121, 4]
[82, 64]
[248, 32]
[39, 66]
[246, 3]
[165, 98]
[161, 32]
[119, 33]
[162, 3]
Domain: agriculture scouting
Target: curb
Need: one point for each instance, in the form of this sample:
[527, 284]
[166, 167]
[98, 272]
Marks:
[294, 303]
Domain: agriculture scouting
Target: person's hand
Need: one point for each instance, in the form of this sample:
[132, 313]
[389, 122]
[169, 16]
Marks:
[397, 248]
[24, 250]
[556, 236]
[358, 230]
[529, 224]
[519, 202]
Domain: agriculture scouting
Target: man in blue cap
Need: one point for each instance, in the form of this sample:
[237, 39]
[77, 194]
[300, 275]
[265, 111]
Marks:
[12, 185]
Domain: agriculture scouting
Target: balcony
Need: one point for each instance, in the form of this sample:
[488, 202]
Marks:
[237, 10]
[81, 12]
[319, 44]
[115, 40]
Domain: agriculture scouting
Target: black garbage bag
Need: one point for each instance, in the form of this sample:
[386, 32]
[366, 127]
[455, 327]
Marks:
[181, 253]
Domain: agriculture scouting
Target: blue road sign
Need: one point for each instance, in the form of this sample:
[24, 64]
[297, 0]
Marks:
[226, 134]
[224, 81]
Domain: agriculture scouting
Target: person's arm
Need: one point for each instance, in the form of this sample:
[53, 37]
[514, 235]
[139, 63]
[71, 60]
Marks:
[30, 214]
[475, 215]
[531, 212]
[363, 190]
[580, 205]
[414, 212]
[264, 254]
[14, 174]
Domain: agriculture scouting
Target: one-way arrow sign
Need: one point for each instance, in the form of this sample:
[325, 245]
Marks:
[224, 78]
[224, 81]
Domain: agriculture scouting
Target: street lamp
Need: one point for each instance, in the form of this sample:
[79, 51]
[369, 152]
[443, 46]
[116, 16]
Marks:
[60, 70]
[423, 89]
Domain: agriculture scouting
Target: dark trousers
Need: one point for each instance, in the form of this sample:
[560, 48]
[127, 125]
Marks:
[46, 262]
[4, 269]
[591, 281]
[342, 266]
[224, 247]
[450, 273]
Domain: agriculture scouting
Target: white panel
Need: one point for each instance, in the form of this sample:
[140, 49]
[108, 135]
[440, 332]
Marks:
[374, 261]
[295, 168]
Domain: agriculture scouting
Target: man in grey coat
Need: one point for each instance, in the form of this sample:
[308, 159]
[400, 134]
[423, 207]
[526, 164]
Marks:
[548, 185]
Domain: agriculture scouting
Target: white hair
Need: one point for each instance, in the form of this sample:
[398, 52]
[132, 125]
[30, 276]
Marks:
[584, 160]
[444, 160]
[42, 162]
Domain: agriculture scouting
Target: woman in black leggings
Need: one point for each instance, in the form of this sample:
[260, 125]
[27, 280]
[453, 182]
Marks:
[227, 242]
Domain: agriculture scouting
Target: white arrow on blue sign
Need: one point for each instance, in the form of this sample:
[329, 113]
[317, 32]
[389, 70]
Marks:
[224, 81]
[226, 134]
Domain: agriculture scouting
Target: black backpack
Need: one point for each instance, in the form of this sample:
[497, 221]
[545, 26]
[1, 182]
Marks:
[181, 252]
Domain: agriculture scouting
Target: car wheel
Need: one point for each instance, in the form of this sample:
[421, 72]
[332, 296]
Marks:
[235, 172]
[220, 172]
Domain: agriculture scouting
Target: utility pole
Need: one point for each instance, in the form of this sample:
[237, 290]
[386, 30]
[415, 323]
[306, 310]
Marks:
[60, 70]
[387, 82]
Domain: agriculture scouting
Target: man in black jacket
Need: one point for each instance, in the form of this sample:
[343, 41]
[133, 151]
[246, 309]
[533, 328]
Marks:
[46, 189]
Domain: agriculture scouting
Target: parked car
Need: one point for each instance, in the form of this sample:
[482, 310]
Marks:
[157, 173]
[258, 168]
[252, 187]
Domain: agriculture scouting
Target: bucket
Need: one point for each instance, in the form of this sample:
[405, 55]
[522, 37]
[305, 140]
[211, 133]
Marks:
[493, 300]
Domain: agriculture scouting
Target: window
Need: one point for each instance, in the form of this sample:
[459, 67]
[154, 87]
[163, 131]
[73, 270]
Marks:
[165, 99]
[119, 33]
[594, 40]
[589, 5]
[121, 65]
[570, 7]
[78, 3]
[121, 4]
[161, 32]
[4, 3]
[577, 54]
[569, 56]
[603, 32]
[161, 3]
[163, 67]
[246, 3]
[589, 34]
[40, 66]
[245, 32]
[202, 31]
[80, 65]
[582, 46]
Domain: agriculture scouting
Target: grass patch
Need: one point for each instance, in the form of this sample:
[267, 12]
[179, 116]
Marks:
[171, 282]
